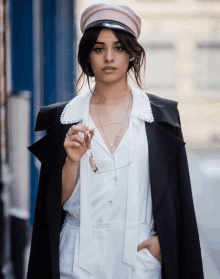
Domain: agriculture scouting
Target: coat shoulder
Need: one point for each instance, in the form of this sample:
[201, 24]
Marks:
[156, 100]
[49, 116]
[164, 110]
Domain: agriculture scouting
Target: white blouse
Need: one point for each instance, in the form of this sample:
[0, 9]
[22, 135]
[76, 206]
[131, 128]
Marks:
[110, 213]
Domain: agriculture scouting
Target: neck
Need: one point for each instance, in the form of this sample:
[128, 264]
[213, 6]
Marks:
[111, 90]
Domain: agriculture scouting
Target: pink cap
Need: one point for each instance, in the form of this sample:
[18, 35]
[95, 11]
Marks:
[111, 16]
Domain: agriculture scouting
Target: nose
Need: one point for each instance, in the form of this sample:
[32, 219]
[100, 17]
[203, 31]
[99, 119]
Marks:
[109, 55]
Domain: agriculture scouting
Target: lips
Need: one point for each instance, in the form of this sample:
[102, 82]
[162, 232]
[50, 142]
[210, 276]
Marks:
[109, 69]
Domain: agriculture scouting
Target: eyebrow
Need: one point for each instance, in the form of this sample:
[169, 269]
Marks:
[101, 43]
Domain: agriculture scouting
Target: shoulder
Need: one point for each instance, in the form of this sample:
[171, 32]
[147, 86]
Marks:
[164, 110]
[49, 116]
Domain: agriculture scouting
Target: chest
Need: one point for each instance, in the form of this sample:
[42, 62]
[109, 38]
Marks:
[111, 122]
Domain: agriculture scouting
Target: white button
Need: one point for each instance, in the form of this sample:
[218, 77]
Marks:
[110, 201]
[106, 224]
[114, 178]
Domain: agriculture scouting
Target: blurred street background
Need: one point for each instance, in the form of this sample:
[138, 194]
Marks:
[38, 48]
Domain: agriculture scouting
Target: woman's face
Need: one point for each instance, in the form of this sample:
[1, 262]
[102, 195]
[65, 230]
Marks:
[109, 61]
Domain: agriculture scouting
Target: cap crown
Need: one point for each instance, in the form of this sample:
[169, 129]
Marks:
[116, 12]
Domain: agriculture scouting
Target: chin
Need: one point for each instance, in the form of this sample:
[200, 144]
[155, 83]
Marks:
[110, 79]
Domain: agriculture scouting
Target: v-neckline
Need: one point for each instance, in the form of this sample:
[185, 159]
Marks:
[101, 140]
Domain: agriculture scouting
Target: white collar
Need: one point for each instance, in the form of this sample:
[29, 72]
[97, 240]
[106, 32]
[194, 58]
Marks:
[75, 111]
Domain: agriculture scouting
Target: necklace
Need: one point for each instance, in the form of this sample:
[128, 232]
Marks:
[117, 136]
[103, 98]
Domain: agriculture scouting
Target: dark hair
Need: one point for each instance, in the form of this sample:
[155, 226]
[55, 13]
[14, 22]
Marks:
[129, 43]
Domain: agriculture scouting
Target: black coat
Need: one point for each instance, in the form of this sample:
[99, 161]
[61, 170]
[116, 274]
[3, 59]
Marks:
[172, 201]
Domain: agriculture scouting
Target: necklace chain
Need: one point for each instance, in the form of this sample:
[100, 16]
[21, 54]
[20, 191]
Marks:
[110, 98]
[117, 136]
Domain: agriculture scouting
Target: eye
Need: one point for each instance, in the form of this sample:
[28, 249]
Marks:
[98, 49]
[120, 48]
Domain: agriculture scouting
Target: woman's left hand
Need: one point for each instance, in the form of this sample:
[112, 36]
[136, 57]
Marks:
[153, 245]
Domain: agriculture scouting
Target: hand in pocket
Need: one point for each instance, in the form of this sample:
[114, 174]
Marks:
[153, 245]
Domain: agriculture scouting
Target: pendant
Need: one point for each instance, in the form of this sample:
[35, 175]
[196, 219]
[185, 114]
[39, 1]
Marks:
[92, 161]
[92, 164]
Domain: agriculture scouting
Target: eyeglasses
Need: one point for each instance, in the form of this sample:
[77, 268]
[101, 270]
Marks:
[94, 167]
[92, 161]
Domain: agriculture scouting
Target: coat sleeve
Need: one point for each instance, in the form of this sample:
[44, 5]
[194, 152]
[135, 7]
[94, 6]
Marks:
[191, 264]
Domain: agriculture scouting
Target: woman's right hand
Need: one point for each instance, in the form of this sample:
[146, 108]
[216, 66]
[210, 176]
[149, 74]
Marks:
[75, 145]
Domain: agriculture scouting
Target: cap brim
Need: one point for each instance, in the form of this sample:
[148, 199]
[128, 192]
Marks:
[111, 24]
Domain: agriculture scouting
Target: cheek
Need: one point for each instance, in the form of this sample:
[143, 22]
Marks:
[123, 62]
[95, 64]
[124, 58]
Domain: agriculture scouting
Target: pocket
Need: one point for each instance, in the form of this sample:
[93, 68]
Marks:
[144, 255]
[147, 265]
[152, 256]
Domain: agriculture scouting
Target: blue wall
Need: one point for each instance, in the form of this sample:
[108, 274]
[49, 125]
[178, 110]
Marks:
[21, 45]
[57, 40]
[50, 44]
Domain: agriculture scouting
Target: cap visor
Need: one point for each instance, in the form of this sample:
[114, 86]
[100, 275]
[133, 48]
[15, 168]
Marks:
[111, 24]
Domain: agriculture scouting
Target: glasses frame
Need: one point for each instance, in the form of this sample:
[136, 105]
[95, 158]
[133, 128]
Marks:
[92, 160]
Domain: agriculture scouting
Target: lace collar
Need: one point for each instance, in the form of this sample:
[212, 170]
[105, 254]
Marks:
[74, 111]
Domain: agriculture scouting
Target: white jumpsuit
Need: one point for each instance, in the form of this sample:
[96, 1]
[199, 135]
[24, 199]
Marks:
[108, 211]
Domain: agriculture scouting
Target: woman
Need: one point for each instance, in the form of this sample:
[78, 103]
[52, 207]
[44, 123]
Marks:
[114, 157]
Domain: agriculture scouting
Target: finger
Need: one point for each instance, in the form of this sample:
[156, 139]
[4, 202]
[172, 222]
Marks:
[92, 131]
[79, 128]
[77, 138]
[85, 126]
[90, 134]
[145, 243]
[72, 144]
[68, 136]
[140, 246]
